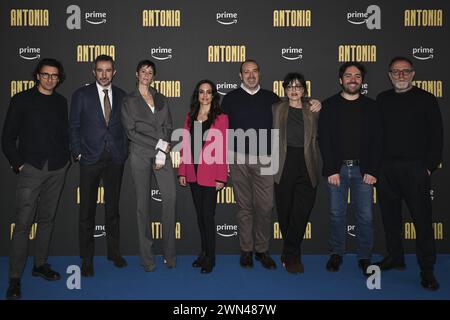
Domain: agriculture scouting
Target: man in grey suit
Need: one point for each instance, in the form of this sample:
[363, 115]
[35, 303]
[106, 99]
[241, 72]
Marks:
[148, 123]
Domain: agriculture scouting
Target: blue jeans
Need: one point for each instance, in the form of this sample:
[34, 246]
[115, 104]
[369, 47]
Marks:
[362, 204]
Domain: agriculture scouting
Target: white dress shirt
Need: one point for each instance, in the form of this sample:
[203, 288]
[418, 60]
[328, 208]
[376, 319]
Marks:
[101, 96]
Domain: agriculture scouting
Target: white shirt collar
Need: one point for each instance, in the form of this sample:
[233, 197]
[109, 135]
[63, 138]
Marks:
[101, 88]
[252, 92]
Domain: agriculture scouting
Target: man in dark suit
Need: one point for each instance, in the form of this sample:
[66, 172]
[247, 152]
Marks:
[35, 141]
[99, 143]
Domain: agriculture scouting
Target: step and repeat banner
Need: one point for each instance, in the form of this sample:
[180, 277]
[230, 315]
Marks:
[193, 40]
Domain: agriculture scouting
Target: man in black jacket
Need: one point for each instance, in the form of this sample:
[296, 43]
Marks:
[98, 141]
[350, 143]
[412, 150]
[35, 141]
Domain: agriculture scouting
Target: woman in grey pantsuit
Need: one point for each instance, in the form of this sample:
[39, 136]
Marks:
[148, 124]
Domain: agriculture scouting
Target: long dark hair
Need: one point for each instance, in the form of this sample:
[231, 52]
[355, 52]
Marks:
[215, 109]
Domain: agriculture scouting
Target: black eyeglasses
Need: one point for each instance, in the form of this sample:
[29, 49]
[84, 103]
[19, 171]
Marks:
[397, 72]
[296, 88]
[45, 75]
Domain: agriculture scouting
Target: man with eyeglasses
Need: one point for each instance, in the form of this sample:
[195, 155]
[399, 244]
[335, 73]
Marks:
[350, 143]
[98, 141]
[35, 141]
[412, 150]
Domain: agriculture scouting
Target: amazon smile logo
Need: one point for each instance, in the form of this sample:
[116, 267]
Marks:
[30, 53]
[95, 17]
[161, 53]
[372, 17]
[227, 230]
[99, 231]
[292, 53]
[227, 18]
[422, 53]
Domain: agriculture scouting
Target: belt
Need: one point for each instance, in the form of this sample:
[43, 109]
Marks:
[350, 163]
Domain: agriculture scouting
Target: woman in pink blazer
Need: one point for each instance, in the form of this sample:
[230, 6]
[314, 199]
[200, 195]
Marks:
[203, 164]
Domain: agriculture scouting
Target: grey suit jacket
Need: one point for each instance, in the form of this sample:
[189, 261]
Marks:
[312, 155]
[143, 127]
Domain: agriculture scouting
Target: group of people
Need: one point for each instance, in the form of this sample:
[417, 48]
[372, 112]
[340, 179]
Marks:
[394, 142]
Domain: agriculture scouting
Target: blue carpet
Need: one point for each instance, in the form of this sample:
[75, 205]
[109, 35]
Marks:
[229, 281]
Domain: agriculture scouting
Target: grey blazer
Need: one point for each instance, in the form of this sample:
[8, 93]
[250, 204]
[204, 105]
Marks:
[312, 154]
[143, 127]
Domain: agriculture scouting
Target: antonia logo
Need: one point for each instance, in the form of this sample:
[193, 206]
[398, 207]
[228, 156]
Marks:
[292, 53]
[30, 53]
[227, 18]
[73, 22]
[224, 88]
[227, 230]
[372, 17]
[99, 231]
[161, 53]
[156, 195]
[422, 53]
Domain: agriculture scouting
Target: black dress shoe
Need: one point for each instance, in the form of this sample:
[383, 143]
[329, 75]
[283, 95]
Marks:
[246, 259]
[13, 292]
[87, 268]
[429, 282]
[390, 262]
[118, 261]
[207, 266]
[199, 261]
[292, 264]
[334, 263]
[265, 259]
[363, 265]
[45, 272]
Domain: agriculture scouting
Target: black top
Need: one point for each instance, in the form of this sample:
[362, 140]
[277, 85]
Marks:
[295, 130]
[350, 118]
[197, 135]
[36, 130]
[332, 134]
[246, 111]
[412, 125]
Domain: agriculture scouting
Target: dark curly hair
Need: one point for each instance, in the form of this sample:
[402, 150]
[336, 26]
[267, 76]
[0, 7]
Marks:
[195, 104]
[52, 63]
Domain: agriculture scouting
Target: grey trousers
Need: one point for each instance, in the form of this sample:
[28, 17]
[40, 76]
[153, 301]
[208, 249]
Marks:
[141, 170]
[37, 195]
[254, 198]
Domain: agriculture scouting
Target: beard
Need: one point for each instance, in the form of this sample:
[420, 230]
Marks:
[349, 90]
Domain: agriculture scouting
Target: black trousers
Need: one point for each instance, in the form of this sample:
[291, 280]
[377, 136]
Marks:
[407, 180]
[205, 199]
[294, 197]
[90, 175]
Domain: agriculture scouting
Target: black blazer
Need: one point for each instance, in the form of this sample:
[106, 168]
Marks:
[371, 137]
[88, 130]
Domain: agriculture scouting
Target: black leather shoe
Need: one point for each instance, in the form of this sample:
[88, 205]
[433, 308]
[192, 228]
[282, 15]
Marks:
[292, 264]
[363, 265]
[207, 266]
[199, 261]
[87, 268]
[429, 282]
[45, 272]
[334, 263]
[390, 262]
[246, 259]
[13, 292]
[118, 261]
[265, 259]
